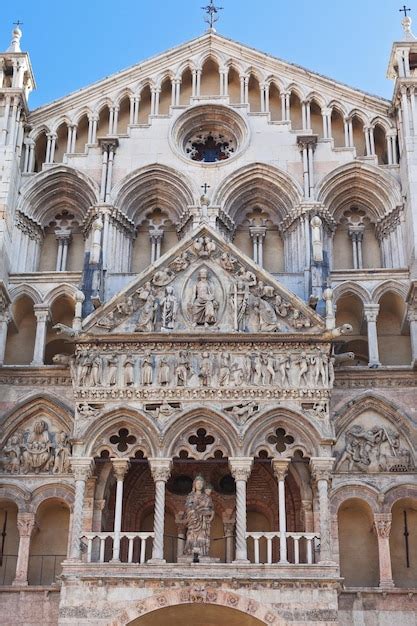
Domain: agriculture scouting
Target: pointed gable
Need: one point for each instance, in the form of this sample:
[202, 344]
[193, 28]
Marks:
[204, 284]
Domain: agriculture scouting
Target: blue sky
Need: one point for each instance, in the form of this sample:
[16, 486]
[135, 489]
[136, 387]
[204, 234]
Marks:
[73, 44]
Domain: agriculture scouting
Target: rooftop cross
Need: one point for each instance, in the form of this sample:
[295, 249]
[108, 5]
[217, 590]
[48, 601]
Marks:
[18, 23]
[405, 10]
[211, 10]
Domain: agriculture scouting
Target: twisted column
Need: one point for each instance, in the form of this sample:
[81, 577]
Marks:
[240, 468]
[82, 469]
[321, 472]
[161, 470]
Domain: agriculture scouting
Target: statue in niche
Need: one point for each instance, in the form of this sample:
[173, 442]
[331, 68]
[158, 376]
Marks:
[147, 369]
[147, 313]
[205, 370]
[204, 247]
[13, 454]
[62, 454]
[199, 514]
[182, 369]
[162, 277]
[204, 305]
[169, 305]
[240, 303]
[37, 453]
[112, 363]
[164, 373]
[128, 371]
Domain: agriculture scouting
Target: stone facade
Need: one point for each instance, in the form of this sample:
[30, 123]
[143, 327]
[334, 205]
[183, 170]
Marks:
[208, 342]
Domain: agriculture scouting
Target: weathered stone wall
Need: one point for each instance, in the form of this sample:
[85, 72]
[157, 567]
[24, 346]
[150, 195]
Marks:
[37, 606]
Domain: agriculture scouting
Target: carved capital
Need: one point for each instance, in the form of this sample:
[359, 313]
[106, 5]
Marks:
[321, 468]
[25, 524]
[306, 141]
[160, 469]
[412, 315]
[120, 467]
[382, 524]
[240, 467]
[82, 467]
[41, 312]
[280, 468]
[371, 312]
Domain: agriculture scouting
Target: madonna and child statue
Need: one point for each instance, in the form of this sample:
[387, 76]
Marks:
[199, 514]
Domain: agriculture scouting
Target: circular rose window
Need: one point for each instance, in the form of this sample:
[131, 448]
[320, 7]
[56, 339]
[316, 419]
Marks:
[209, 134]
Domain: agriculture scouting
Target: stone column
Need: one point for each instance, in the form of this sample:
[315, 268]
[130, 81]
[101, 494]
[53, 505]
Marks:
[321, 468]
[82, 469]
[411, 316]
[42, 317]
[258, 234]
[382, 525]
[371, 314]
[241, 468]
[120, 468]
[25, 526]
[181, 530]
[4, 321]
[161, 470]
[280, 468]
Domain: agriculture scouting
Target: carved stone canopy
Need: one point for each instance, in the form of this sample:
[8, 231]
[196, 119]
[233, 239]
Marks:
[204, 284]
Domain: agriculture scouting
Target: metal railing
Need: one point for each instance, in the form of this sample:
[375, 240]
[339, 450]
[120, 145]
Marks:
[301, 547]
[133, 546]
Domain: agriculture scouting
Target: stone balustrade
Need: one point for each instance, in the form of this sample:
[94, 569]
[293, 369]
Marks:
[98, 543]
[303, 546]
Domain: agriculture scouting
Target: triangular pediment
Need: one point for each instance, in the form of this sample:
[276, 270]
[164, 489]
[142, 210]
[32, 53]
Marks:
[204, 285]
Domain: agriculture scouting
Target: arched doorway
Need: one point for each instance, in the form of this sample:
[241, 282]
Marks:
[194, 614]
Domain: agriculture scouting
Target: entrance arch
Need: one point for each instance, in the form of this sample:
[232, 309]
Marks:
[185, 606]
[210, 615]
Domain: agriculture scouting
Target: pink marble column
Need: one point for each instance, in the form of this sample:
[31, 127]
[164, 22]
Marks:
[25, 526]
[382, 525]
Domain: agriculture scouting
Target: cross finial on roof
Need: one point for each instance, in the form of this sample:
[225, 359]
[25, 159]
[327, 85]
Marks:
[18, 23]
[212, 11]
[16, 37]
[405, 10]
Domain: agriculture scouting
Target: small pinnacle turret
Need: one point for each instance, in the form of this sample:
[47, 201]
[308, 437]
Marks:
[16, 37]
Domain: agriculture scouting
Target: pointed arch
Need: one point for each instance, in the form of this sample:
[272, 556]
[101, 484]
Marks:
[97, 435]
[348, 287]
[80, 113]
[258, 184]
[361, 185]
[153, 187]
[306, 436]
[393, 286]
[45, 405]
[225, 433]
[65, 289]
[58, 188]
[361, 115]
[25, 290]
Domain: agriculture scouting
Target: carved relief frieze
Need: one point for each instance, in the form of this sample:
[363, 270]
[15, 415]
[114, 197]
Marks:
[173, 371]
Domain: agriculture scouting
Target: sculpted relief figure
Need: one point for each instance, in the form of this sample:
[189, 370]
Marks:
[164, 373]
[205, 370]
[204, 247]
[240, 302]
[180, 263]
[128, 371]
[243, 411]
[113, 364]
[147, 311]
[199, 514]
[204, 305]
[37, 453]
[147, 369]
[162, 277]
[169, 305]
[372, 450]
[62, 454]
[13, 454]
[182, 369]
